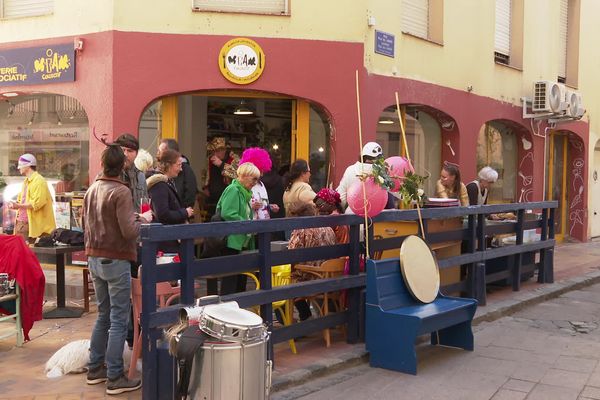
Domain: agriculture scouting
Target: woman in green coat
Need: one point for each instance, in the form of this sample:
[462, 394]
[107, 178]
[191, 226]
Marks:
[234, 205]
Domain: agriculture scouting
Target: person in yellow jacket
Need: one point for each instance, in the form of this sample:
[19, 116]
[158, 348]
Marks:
[35, 214]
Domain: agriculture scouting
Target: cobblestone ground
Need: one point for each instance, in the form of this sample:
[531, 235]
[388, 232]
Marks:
[544, 352]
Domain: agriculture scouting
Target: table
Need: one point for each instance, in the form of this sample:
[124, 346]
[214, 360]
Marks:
[59, 252]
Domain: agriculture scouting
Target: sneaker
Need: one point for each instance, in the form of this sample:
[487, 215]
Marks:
[96, 375]
[122, 385]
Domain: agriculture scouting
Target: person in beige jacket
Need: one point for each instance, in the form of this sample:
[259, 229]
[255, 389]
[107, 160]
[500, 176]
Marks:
[297, 189]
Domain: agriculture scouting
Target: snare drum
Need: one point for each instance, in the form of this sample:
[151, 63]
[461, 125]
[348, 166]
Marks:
[231, 323]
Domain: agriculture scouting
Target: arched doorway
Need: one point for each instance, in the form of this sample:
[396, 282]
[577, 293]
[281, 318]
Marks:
[431, 136]
[595, 187]
[289, 128]
[565, 182]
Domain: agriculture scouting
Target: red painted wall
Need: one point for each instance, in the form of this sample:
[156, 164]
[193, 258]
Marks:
[119, 73]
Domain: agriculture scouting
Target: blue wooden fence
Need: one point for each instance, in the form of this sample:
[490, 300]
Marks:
[158, 371]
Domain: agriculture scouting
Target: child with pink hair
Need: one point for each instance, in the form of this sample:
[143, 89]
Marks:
[259, 203]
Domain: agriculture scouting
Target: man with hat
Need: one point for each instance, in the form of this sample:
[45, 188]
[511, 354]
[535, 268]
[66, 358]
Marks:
[35, 215]
[222, 164]
[370, 153]
[131, 175]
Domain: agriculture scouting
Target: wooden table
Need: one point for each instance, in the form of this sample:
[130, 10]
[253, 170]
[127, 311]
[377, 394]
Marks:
[59, 253]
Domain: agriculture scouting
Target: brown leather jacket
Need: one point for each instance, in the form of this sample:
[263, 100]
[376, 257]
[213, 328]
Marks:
[110, 225]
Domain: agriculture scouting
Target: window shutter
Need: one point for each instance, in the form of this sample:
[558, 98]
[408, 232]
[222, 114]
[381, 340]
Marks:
[245, 6]
[563, 25]
[415, 17]
[26, 8]
[502, 37]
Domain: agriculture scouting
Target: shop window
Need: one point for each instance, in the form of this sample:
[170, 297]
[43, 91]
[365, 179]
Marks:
[25, 8]
[55, 130]
[508, 37]
[497, 148]
[423, 18]
[423, 136]
[320, 131]
[277, 7]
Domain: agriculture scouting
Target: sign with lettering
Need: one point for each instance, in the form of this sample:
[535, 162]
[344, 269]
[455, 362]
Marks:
[45, 135]
[37, 65]
[384, 43]
[241, 61]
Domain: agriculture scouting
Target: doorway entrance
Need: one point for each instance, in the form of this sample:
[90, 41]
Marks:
[595, 185]
[556, 181]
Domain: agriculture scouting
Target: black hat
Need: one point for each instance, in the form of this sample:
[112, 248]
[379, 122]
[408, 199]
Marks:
[128, 140]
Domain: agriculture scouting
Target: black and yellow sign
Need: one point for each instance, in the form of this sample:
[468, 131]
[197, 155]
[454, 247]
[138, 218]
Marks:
[241, 61]
[37, 65]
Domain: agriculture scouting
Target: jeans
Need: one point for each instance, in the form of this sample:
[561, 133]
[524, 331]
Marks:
[112, 282]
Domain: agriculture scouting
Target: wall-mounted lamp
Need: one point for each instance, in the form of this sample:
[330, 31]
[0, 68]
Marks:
[242, 109]
[321, 149]
[31, 119]
[78, 44]
[59, 120]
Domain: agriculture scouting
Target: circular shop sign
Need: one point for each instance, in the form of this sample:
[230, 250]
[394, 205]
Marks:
[241, 61]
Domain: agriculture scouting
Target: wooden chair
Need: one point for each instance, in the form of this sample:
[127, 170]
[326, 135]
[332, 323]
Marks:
[16, 316]
[165, 295]
[328, 269]
[88, 289]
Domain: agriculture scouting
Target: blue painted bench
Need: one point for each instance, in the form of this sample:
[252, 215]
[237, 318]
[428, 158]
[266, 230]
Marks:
[394, 319]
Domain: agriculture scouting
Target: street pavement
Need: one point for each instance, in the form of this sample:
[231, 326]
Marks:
[543, 352]
[522, 348]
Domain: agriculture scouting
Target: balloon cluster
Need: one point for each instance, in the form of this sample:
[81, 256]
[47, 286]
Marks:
[376, 196]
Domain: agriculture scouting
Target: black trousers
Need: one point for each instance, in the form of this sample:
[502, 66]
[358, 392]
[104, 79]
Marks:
[233, 283]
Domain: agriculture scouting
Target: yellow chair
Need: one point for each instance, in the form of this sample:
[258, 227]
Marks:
[281, 275]
[16, 316]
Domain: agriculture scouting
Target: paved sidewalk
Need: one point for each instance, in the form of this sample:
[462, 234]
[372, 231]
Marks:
[548, 351]
[22, 372]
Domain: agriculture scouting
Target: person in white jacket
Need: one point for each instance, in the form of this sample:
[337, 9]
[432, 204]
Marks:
[370, 152]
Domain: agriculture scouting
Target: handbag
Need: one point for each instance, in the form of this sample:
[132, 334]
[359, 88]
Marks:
[213, 246]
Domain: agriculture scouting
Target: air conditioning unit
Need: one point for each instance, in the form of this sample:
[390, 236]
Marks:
[576, 109]
[549, 97]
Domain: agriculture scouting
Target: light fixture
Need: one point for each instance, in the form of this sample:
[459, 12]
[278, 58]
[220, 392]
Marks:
[31, 119]
[59, 120]
[242, 109]
[10, 94]
[386, 121]
[321, 149]
[275, 146]
[72, 116]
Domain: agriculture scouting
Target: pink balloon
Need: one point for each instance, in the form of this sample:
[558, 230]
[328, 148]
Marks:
[376, 198]
[398, 167]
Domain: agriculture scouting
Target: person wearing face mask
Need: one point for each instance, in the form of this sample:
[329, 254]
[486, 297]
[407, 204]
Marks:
[449, 186]
[166, 203]
[479, 189]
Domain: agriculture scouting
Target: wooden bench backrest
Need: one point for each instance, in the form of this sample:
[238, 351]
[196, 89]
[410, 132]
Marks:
[385, 285]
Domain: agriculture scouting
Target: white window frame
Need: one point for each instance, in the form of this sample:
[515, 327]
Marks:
[502, 30]
[563, 41]
[25, 8]
[265, 7]
[415, 18]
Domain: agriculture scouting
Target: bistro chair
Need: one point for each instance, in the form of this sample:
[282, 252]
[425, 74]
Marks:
[16, 297]
[328, 269]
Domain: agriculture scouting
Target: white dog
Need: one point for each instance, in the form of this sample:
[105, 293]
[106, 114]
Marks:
[73, 358]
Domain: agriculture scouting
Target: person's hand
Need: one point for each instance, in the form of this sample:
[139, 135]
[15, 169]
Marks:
[190, 212]
[494, 217]
[146, 217]
[256, 204]
[216, 161]
[11, 205]
[274, 208]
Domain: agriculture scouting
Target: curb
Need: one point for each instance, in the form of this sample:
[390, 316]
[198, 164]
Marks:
[358, 355]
